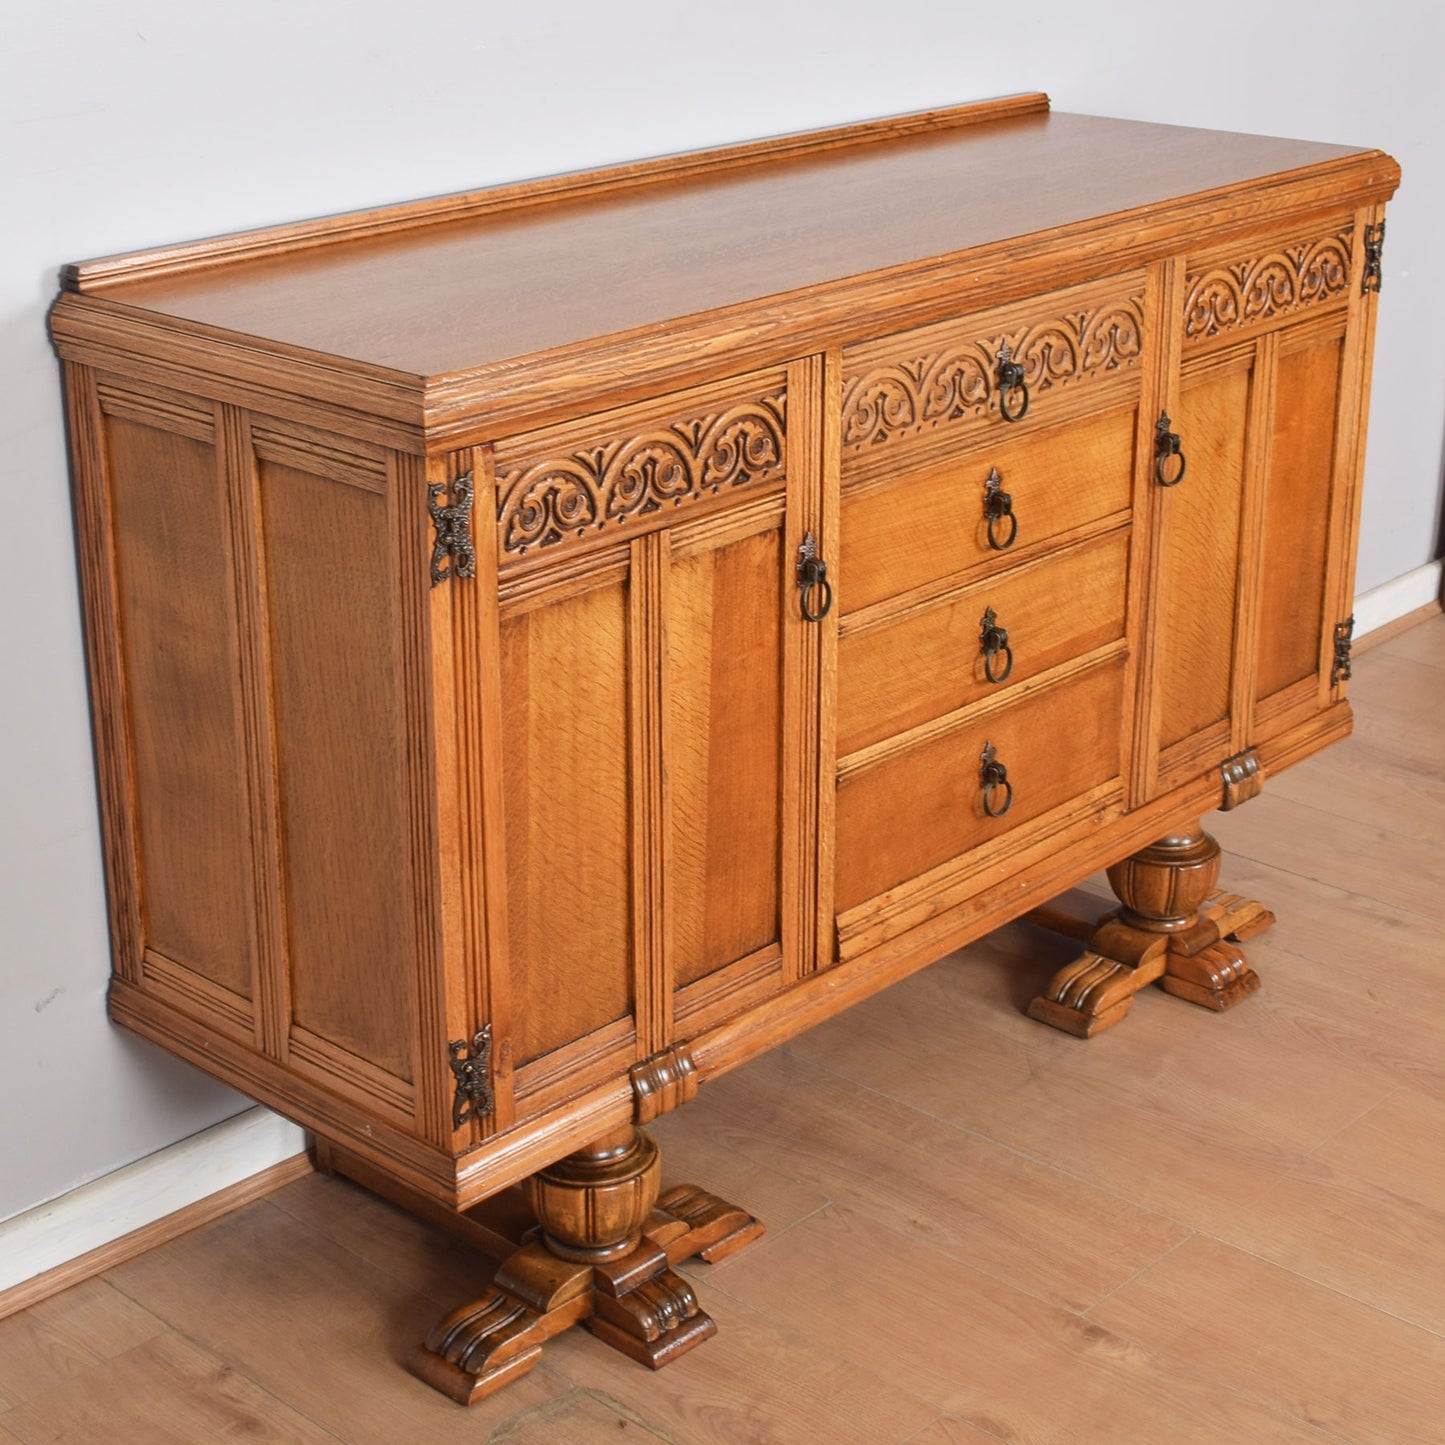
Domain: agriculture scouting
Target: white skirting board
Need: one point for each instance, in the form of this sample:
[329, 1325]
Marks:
[1399, 598]
[115, 1205]
[162, 1183]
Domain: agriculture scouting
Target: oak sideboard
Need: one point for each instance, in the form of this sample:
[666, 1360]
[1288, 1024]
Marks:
[549, 645]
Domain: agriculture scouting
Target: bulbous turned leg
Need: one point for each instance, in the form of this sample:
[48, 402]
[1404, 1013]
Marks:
[602, 1254]
[1174, 928]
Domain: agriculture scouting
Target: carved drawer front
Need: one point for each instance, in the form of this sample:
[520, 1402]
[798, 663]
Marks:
[1253, 286]
[997, 504]
[911, 666]
[615, 474]
[1024, 364]
[906, 812]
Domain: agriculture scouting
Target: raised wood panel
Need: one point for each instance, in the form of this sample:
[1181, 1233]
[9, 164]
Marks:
[568, 839]
[724, 638]
[1196, 589]
[1298, 508]
[178, 625]
[920, 807]
[927, 661]
[341, 764]
[931, 525]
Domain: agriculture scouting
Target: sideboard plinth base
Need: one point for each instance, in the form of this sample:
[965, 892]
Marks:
[601, 1253]
[1174, 929]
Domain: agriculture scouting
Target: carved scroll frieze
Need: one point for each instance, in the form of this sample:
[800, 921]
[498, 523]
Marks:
[1266, 287]
[553, 499]
[954, 380]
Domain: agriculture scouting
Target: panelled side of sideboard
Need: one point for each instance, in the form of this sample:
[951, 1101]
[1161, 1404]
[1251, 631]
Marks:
[266, 776]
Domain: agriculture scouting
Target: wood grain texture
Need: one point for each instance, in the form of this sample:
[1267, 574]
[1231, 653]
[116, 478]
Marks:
[1299, 510]
[205, 1400]
[69, 1335]
[569, 849]
[930, 525]
[334, 684]
[185, 716]
[725, 696]
[1101, 1388]
[924, 806]
[92, 275]
[368, 1310]
[451, 295]
[1308, 1351]
[1059, 608]
[1200, 523]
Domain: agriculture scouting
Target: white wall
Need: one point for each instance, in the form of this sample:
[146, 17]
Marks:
[127, 124]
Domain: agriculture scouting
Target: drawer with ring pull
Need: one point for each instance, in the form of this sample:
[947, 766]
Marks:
[898, 668]
[942, 792]
[996, 504]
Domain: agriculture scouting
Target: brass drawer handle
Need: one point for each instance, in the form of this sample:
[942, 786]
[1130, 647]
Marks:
[993, 642]
[812, 572]
[1166, 445]
[993, 775]
[998, 505]
[1011, 379]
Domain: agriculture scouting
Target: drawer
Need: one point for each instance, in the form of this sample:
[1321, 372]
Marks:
[941, 385]
[931, 524]
[911, 811]
[927, 661]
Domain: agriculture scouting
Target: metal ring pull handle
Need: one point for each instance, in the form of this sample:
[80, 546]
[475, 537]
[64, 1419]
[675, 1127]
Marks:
[993, 643]
[998, 505]
[1166, 445]
[993, 775]
[812, 573]
[1011, 379]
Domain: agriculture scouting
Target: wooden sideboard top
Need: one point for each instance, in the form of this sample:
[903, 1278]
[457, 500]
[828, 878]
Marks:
[461, 284]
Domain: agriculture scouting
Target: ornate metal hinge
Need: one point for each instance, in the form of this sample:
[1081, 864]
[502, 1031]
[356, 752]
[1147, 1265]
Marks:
[1374, 255]
[453, 523]
[473, 1069]
[1344, 638]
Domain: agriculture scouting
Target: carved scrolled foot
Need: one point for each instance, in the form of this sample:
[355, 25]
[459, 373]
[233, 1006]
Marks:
[602, 1253]
[1087, 996]
[479, 1348]
[1217, 977]
[652, 1321]
[1174, 928]
[1235, 916]
[715, 1228]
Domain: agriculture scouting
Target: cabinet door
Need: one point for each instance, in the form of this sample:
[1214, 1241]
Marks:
[1253, 543]
[1195, 629]
[650, 695]
[1304, 516]
[724, 758]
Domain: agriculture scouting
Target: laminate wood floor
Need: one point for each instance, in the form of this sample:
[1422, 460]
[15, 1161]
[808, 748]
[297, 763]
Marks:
[1194, 1228]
